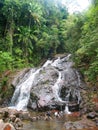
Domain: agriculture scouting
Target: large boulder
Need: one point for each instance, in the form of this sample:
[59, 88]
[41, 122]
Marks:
[43, 87]
[6, 126]
[56, 84]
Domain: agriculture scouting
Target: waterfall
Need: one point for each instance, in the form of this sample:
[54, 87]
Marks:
[67, 110]
[21, 95]
[63, 78]
[56, 89]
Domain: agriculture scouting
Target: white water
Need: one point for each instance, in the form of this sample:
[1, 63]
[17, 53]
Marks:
[57, 85]
[21, 95]
[67, 110]
[56, 89]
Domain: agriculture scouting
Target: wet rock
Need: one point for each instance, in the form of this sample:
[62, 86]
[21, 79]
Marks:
[6, 126]
[19, 76]
[13, 111]
[24, 116]
[5, 116]
[96, 121]
[91, 115]
[78, 125]
[54, 84]
[12, 118]
[4, 113]
[33, 118]
[69, 84]
[83, 111]
[43, 91]
[18, 124]
[73, 107]
[1, 124]
[73, 126]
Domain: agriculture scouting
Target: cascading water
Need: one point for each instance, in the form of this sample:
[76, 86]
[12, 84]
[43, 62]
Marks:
[41, 83]
[58, 83]
[21, 95]
[67, 109]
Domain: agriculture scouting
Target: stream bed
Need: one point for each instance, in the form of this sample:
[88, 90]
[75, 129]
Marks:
[44, 125]
[48, 125]
[54, 124]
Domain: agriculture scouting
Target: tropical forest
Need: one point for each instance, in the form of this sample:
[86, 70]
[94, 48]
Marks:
[48, 65]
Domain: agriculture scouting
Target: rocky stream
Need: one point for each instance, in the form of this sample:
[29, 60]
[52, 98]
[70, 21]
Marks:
[51, 97]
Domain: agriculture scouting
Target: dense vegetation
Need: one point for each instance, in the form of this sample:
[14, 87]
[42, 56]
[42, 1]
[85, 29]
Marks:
[34, 30]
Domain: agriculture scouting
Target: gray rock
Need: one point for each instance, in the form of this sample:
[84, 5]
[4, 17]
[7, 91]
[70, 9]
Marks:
[17, 79]
[77, 125]
[91, 115]
[6, 126]
[54, 85]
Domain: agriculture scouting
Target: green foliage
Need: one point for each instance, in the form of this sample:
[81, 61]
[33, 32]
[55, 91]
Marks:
[5, 90]
[30, 30]
[88, 51]
[70, 33]
[33, 30]
[6, 61]
[92, 72]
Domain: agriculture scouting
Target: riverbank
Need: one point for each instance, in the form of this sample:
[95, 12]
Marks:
[32, 120]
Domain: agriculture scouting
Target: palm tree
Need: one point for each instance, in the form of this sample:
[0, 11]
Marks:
[26, 38]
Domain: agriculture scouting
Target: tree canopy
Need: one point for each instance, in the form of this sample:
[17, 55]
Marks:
[34, 30]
